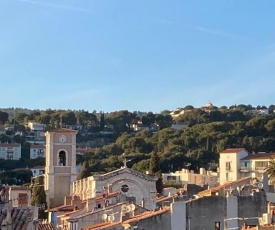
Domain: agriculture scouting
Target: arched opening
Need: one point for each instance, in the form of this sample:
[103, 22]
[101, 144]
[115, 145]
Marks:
[62, 158]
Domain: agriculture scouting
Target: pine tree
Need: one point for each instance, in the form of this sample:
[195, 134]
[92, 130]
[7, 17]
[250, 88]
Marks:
[85, 171]
[102, 121]
[154, 163]
[39, 197]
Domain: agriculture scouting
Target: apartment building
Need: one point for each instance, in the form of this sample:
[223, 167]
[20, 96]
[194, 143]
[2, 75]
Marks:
[229, 167]
[237, 163]
[254, 165]
[10, 151]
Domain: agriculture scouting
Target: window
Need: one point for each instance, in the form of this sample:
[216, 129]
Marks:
[125, 188]
[228, 166]
[217, 225]
[23, 199]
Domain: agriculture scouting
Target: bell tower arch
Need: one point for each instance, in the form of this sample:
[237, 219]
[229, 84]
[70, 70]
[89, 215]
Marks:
[60, 168]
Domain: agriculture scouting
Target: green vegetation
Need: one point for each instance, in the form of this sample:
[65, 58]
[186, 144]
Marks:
[209, 131]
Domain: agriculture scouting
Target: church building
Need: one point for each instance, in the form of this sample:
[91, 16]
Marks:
[60, 176]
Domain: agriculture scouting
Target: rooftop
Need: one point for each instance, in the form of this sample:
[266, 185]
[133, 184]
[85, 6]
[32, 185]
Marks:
[233, 150]
[259, 156]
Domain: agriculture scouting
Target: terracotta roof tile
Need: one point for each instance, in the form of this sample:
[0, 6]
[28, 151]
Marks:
[232, 150]
[218, 188]
[146, 215]
[45, 227]
[259, 156]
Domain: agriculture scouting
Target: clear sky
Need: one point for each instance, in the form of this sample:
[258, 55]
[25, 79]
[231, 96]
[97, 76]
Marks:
[146, 55]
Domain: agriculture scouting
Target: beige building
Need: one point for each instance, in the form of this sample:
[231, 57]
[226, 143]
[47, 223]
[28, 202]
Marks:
[10, 151]
[60, 168]
[229, 167]
[189, 177]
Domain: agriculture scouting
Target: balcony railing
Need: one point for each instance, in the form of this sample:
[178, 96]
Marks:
[252, 169]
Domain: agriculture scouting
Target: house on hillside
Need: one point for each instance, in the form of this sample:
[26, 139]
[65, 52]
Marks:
[10, 151]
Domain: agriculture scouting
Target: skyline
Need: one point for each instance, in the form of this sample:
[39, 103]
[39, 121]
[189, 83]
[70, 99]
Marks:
[135, 55]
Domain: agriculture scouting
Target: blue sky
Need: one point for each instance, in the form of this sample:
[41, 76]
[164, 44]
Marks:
[109, 55]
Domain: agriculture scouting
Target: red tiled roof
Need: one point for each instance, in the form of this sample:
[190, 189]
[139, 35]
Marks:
[164, 198]
[218, 188]
[113, 194]
[45, 227]
[146, 215]
[259, 156]
[232, 150]
[19, 188]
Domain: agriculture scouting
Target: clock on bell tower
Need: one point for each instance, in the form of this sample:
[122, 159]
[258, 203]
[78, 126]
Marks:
[60, 168]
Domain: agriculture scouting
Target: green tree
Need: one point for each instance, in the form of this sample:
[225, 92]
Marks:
[154, 163]
[102, 121]
[4, 117]
[39, 197]
[85, 171]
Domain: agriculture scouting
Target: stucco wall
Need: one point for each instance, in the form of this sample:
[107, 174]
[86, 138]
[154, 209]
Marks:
[252, 206]
[204, 212]
[157, 222]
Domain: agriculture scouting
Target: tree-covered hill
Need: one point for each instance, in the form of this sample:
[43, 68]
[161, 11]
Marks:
[209, 131]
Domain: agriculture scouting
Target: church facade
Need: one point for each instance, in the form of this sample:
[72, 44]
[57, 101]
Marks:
[138, 187]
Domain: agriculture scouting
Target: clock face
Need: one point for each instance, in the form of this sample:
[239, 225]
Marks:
[62, 138]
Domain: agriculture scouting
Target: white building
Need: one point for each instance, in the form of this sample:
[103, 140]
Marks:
[34, 126]
[230, 165]
[189, 177]
[254, 165]
[237, 163]
[10, 151]
[38, 170]
[37, 151]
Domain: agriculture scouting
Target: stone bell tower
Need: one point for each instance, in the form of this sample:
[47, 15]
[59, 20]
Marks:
[60, 168]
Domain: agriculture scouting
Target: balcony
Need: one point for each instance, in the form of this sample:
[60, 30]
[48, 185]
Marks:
[253, 169]
[246, 169]
[260, 169]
